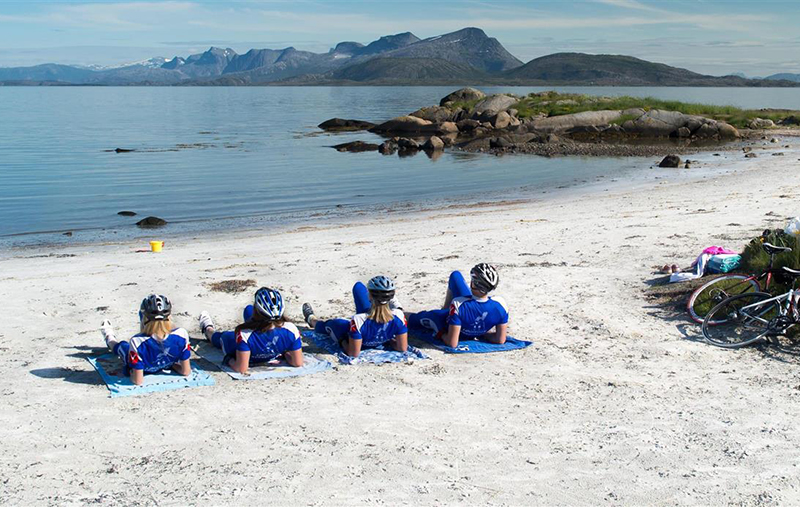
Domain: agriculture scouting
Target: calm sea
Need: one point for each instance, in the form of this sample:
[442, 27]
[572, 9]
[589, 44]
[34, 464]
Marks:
[236, 157]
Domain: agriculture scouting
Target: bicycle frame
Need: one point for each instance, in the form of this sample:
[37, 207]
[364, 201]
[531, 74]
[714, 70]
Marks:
[788, 309]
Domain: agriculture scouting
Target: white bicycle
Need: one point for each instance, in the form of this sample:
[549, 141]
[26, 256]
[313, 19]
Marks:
[752, 317]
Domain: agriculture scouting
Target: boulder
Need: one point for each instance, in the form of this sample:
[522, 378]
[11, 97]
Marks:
[683, 132]
[761, 123]
[407, 144]
[750, 155]
[706, 131]
[127, 213]
[387, 148]
[468, 125]
[339, 124]
[405, 124]
[463, 95]
[670, 161]
[433, 144]
[634, 111]
[501, 120]
[356, 147]
[414, 125]
[774, 140]
[437, 114]
[727, 131]
[494, 104]
[151, 222]
[499, 142]
[570, 121]
[447, 127]
[694, 123]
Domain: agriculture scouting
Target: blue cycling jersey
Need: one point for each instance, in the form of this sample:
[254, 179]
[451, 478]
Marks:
[372, 334]
[477, 316]
[148, 353]
[266, 345]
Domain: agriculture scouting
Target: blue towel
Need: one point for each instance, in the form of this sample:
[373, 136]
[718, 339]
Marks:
[110, 369]
[377, 355]
[276, 369]
[468, 346]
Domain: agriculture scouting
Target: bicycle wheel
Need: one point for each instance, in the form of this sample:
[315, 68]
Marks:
[708, 295]
[743, 319]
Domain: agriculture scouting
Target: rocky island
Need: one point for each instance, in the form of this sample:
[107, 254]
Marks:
[550, 123]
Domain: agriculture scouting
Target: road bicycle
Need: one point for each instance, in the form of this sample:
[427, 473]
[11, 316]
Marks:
[708, 295]
[751, 317]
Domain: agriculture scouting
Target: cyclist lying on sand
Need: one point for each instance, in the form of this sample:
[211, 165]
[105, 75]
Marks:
[468, 311]
[157, 346]
[265, 334]
[379, 319]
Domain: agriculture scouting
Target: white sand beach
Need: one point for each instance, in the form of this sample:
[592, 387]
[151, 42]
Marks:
[617, 401]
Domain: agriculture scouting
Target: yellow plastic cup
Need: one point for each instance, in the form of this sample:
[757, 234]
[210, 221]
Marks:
[156, 246]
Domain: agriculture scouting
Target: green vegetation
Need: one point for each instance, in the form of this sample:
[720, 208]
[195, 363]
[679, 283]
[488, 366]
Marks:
[467, 105]
[623, 118]
[755, 260]
[555, 104]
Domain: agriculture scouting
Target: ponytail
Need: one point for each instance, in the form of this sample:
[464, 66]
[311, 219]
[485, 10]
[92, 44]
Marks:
[260, 324]
[381, 314]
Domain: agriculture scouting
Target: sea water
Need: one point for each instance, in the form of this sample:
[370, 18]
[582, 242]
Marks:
[228, 157]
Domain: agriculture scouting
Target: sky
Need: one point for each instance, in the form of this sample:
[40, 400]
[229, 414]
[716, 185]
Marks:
[757, 38]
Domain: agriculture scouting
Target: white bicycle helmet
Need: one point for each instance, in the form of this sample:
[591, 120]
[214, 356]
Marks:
[269, 303]
[484, 277]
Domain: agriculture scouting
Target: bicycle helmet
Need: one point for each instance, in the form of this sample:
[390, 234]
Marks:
[484, 277]
[155, 307]
[269, 303]
[381, 289]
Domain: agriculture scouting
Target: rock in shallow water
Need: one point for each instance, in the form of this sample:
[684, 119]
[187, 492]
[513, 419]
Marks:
[670, 161]
[339, 124]
[151, 222]
[127, 213]
[356, 147]
[433, 144]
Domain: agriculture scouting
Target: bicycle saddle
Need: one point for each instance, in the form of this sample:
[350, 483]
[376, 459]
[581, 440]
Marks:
[772, 249]
[791, 272]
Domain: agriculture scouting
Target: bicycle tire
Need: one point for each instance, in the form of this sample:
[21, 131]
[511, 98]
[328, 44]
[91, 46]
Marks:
[705, 297]
[745, 322]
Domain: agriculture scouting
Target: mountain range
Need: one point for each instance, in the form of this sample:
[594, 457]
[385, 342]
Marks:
[465, 56]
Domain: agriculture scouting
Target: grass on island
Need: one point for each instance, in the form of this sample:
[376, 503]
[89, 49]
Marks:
[555, 104]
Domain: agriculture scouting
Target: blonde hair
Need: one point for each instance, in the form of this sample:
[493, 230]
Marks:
[380, 313]
[158, 328]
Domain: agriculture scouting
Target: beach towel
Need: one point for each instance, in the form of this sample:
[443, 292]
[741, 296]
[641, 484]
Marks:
[468, 345]
[272, 369]
[110, 369]
[376, 356]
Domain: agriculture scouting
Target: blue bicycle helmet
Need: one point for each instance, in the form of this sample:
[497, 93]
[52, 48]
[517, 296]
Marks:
[269, 303]
[381, 289]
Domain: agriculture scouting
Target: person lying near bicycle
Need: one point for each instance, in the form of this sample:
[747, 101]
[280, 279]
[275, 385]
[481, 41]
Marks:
[468, 311]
